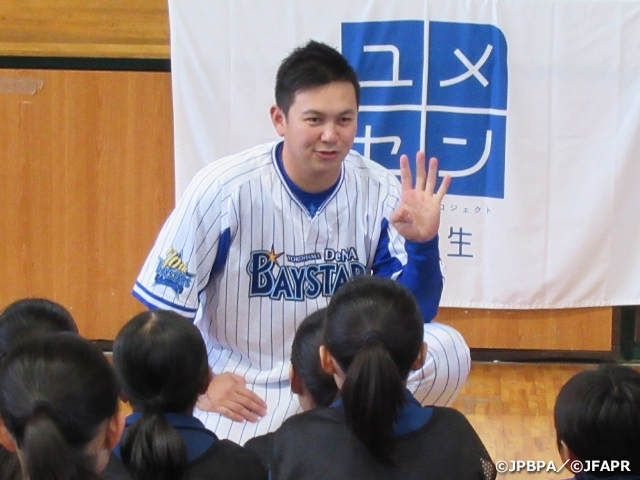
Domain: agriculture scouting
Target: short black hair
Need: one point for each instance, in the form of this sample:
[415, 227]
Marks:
[597, 416]
[312, 65]
[160, 360]
[32, 316]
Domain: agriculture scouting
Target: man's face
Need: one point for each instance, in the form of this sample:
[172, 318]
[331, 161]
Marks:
[318, 133]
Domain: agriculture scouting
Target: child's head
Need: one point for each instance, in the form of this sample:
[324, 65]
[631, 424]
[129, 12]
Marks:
[59, 403]
[312, 65]
[314, 386]
[597, 417]
[373, 338]
[32, 316]
[161, 363]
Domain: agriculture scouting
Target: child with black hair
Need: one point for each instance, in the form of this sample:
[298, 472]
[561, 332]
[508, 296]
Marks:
[161, 363]
[377, 429]
[59, 408]
[32, 316]
[314, 387]
[597, 420]
[21, 319]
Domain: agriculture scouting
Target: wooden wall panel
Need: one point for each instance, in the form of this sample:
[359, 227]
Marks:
[87, 182]
[84, 28]
[573, 329]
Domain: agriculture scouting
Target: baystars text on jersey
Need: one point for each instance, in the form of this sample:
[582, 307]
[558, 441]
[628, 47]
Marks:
[297, 282]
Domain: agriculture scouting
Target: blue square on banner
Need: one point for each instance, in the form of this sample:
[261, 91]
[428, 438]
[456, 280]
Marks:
[464, 95]
[470, 148]
[384, 136]
[388, 58]
[467, 66]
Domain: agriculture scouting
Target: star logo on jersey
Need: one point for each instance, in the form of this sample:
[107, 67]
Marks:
[273, 256]
[172, 272]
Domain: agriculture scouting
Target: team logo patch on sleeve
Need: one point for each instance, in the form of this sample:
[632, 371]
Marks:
[172, 272]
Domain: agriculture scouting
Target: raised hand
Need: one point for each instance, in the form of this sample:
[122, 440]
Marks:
[417, 218]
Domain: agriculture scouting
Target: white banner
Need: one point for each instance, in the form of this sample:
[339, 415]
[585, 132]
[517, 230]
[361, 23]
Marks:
[532, 106]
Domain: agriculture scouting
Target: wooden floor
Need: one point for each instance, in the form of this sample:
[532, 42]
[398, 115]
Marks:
[511, 407]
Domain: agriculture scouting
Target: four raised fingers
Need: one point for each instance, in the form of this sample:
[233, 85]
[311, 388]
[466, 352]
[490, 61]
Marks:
[425, 180]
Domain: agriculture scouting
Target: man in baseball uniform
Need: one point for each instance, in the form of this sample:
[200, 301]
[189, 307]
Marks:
[263, 238]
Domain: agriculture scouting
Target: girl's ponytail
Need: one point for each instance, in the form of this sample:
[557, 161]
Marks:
[46, 453]
[373, 330]
[152, 449]
[372, 395]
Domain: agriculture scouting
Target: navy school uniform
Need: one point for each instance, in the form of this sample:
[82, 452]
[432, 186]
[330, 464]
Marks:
[209, 457]
[431, 443]
[262, 447]
[115, 470]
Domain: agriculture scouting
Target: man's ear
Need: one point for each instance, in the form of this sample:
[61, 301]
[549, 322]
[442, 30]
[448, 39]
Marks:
[420, 359]
[279, 119]
[6, 440]
[115, 427]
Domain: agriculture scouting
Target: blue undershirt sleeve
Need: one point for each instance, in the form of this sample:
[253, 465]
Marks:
[421, 274]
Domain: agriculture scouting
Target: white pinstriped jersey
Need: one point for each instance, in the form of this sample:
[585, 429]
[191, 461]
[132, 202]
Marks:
[242, 256]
